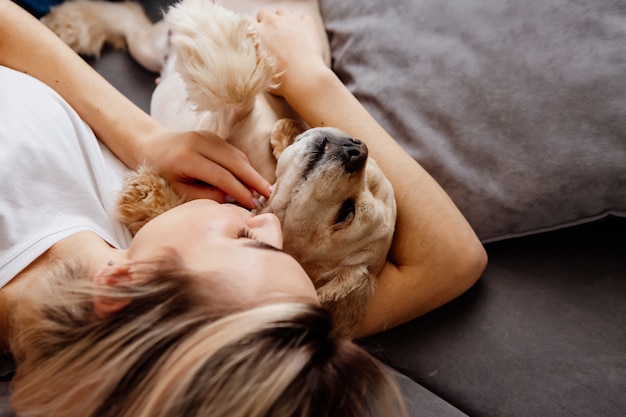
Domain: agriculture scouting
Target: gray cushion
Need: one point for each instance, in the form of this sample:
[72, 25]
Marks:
[518, 109]
[540, 335]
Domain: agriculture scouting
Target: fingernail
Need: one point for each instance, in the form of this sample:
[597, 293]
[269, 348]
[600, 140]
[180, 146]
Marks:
[256, 203]
[271, 189]
[229, 199]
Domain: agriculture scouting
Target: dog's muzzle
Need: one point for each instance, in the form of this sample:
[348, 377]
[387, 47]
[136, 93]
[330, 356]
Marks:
[350, 153]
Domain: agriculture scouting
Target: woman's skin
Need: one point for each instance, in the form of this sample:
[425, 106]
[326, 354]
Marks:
[435, 254]
[209, 236]
[206, 237]
[188, 160]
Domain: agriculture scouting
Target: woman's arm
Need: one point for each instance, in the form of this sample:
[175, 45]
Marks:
[435, 255]
[187, 159]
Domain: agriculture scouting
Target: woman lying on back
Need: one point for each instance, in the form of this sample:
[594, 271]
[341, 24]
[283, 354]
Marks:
[193, 317]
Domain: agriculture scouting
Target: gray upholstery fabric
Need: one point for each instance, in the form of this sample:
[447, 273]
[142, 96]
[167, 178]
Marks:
[422, 403]
[541, 334]
[517, 108]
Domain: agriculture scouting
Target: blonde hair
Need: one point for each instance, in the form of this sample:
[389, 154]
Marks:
[174, 351]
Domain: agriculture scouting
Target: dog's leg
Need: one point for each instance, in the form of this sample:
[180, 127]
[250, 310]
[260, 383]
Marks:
[144, 196]
[283, 134]
[149, 46]
[86, 26]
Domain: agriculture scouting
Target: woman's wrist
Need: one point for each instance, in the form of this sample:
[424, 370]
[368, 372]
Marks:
[133, 143]
[301, 91]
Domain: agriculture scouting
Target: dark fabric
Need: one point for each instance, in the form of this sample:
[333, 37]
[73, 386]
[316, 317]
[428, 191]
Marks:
[422, 403]
[516, 107]
[38, 7]
[541, 334]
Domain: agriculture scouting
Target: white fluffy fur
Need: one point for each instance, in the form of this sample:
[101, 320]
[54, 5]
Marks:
[219, 56]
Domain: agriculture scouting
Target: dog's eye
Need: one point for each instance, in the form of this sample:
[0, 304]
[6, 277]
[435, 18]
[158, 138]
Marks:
[316, 153]
[320, 148]
[346, 212]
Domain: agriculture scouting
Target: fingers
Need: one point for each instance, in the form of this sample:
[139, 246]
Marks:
[218, 183]
[209, 167]
[236, 167]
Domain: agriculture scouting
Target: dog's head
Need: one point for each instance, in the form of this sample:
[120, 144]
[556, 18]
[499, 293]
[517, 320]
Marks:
[337, 211]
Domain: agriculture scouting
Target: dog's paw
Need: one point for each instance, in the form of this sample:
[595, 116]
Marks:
[144, 196]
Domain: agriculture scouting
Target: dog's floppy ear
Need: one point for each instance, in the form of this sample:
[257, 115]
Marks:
[346, 296]
[283, 134]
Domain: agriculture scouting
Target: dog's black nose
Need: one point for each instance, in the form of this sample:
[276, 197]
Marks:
[354, 154]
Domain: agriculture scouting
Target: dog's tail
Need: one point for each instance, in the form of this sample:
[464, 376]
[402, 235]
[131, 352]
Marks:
[219, 56]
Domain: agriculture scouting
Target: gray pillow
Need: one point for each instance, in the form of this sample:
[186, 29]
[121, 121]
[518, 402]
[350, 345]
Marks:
[517, 108]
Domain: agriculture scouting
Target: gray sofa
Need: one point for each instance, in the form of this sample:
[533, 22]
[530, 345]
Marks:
[519, 110]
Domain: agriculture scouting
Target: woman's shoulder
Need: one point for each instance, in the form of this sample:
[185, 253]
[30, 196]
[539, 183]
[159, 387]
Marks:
[53, 176]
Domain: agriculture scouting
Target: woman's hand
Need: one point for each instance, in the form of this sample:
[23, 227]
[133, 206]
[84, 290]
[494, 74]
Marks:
[295, 41]
[202, 165]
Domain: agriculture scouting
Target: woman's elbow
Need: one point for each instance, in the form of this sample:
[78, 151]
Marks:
[469, 262]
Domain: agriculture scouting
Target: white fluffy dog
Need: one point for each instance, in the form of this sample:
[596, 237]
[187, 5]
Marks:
[336, 208]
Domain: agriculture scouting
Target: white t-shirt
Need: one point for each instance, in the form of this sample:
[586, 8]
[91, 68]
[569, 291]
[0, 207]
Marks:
[56, 178]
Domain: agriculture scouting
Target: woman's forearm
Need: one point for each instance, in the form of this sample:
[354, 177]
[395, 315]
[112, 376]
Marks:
[27, 45]
[197, 165]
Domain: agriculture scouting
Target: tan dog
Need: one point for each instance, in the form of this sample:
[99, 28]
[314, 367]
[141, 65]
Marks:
[336, 208]
[338, 213]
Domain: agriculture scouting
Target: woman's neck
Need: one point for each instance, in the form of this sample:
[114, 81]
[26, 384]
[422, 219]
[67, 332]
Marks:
[31, 286]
